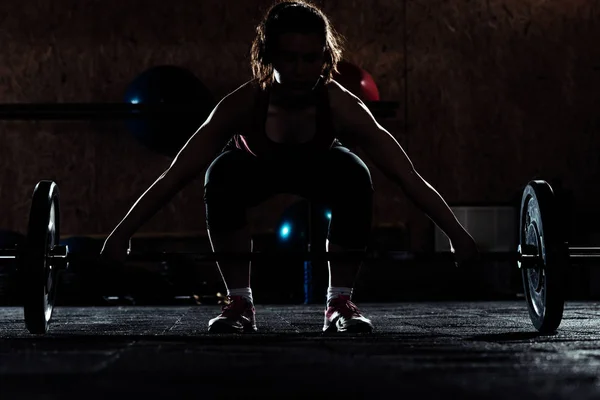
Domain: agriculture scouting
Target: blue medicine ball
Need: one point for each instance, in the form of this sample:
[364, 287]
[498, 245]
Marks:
[171, 86]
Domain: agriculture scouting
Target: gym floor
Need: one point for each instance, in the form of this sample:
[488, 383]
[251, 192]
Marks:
[420, 350]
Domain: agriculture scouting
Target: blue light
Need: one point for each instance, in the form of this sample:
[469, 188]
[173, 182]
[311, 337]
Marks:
[328, 214]
[284, 232]
[134, 101]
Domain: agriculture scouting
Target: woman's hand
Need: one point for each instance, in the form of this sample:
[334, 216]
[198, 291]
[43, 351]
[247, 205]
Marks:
[465, 249]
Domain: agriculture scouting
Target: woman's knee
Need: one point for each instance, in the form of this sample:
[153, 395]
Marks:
[349, 172]
[227, 167]
[226, 194]
[350, 199]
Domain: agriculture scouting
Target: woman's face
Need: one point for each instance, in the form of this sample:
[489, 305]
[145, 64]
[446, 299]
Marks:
[298, 61]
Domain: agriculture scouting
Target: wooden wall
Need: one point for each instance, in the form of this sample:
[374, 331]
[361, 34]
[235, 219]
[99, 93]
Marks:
[492, 94]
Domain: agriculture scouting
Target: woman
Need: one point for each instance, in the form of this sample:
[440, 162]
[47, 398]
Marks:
[284, 131]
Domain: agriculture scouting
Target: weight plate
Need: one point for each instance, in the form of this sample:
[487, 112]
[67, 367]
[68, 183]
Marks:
[544, 283]
[39, 277]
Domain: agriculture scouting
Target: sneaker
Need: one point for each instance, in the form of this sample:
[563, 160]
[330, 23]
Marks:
[237, 316]
[343, 316]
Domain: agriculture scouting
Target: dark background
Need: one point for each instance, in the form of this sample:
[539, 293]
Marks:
[491, 94]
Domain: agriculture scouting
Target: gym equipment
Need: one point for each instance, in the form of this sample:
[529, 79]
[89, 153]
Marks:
[357, 80]
[168, 84]
[37, 272]
[540, 233]
[541, 255]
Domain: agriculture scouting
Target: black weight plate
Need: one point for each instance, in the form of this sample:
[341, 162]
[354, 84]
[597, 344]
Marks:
[39, 278]
[544, 284]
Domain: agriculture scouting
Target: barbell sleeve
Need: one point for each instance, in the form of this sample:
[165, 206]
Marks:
[584, 252]
[8, 254]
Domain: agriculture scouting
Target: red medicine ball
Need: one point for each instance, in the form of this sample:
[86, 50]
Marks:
[357, 80]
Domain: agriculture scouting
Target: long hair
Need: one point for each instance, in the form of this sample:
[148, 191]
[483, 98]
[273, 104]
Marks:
[292, 16]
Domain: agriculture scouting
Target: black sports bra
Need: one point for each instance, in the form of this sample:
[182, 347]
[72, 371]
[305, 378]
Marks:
[257, 143]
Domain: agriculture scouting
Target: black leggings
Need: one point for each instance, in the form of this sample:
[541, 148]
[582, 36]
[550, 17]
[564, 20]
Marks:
[337, 178]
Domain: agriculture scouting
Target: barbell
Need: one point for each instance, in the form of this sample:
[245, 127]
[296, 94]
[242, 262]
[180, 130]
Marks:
[542, 255]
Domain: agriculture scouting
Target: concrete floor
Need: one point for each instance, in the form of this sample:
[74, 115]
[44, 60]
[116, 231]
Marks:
[420, 350]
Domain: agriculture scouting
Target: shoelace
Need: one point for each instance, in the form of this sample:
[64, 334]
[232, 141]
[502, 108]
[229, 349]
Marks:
[345, 307]
[234, 307]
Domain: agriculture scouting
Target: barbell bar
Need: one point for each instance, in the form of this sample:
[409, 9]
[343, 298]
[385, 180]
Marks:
[61, 253]
[60, 256]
